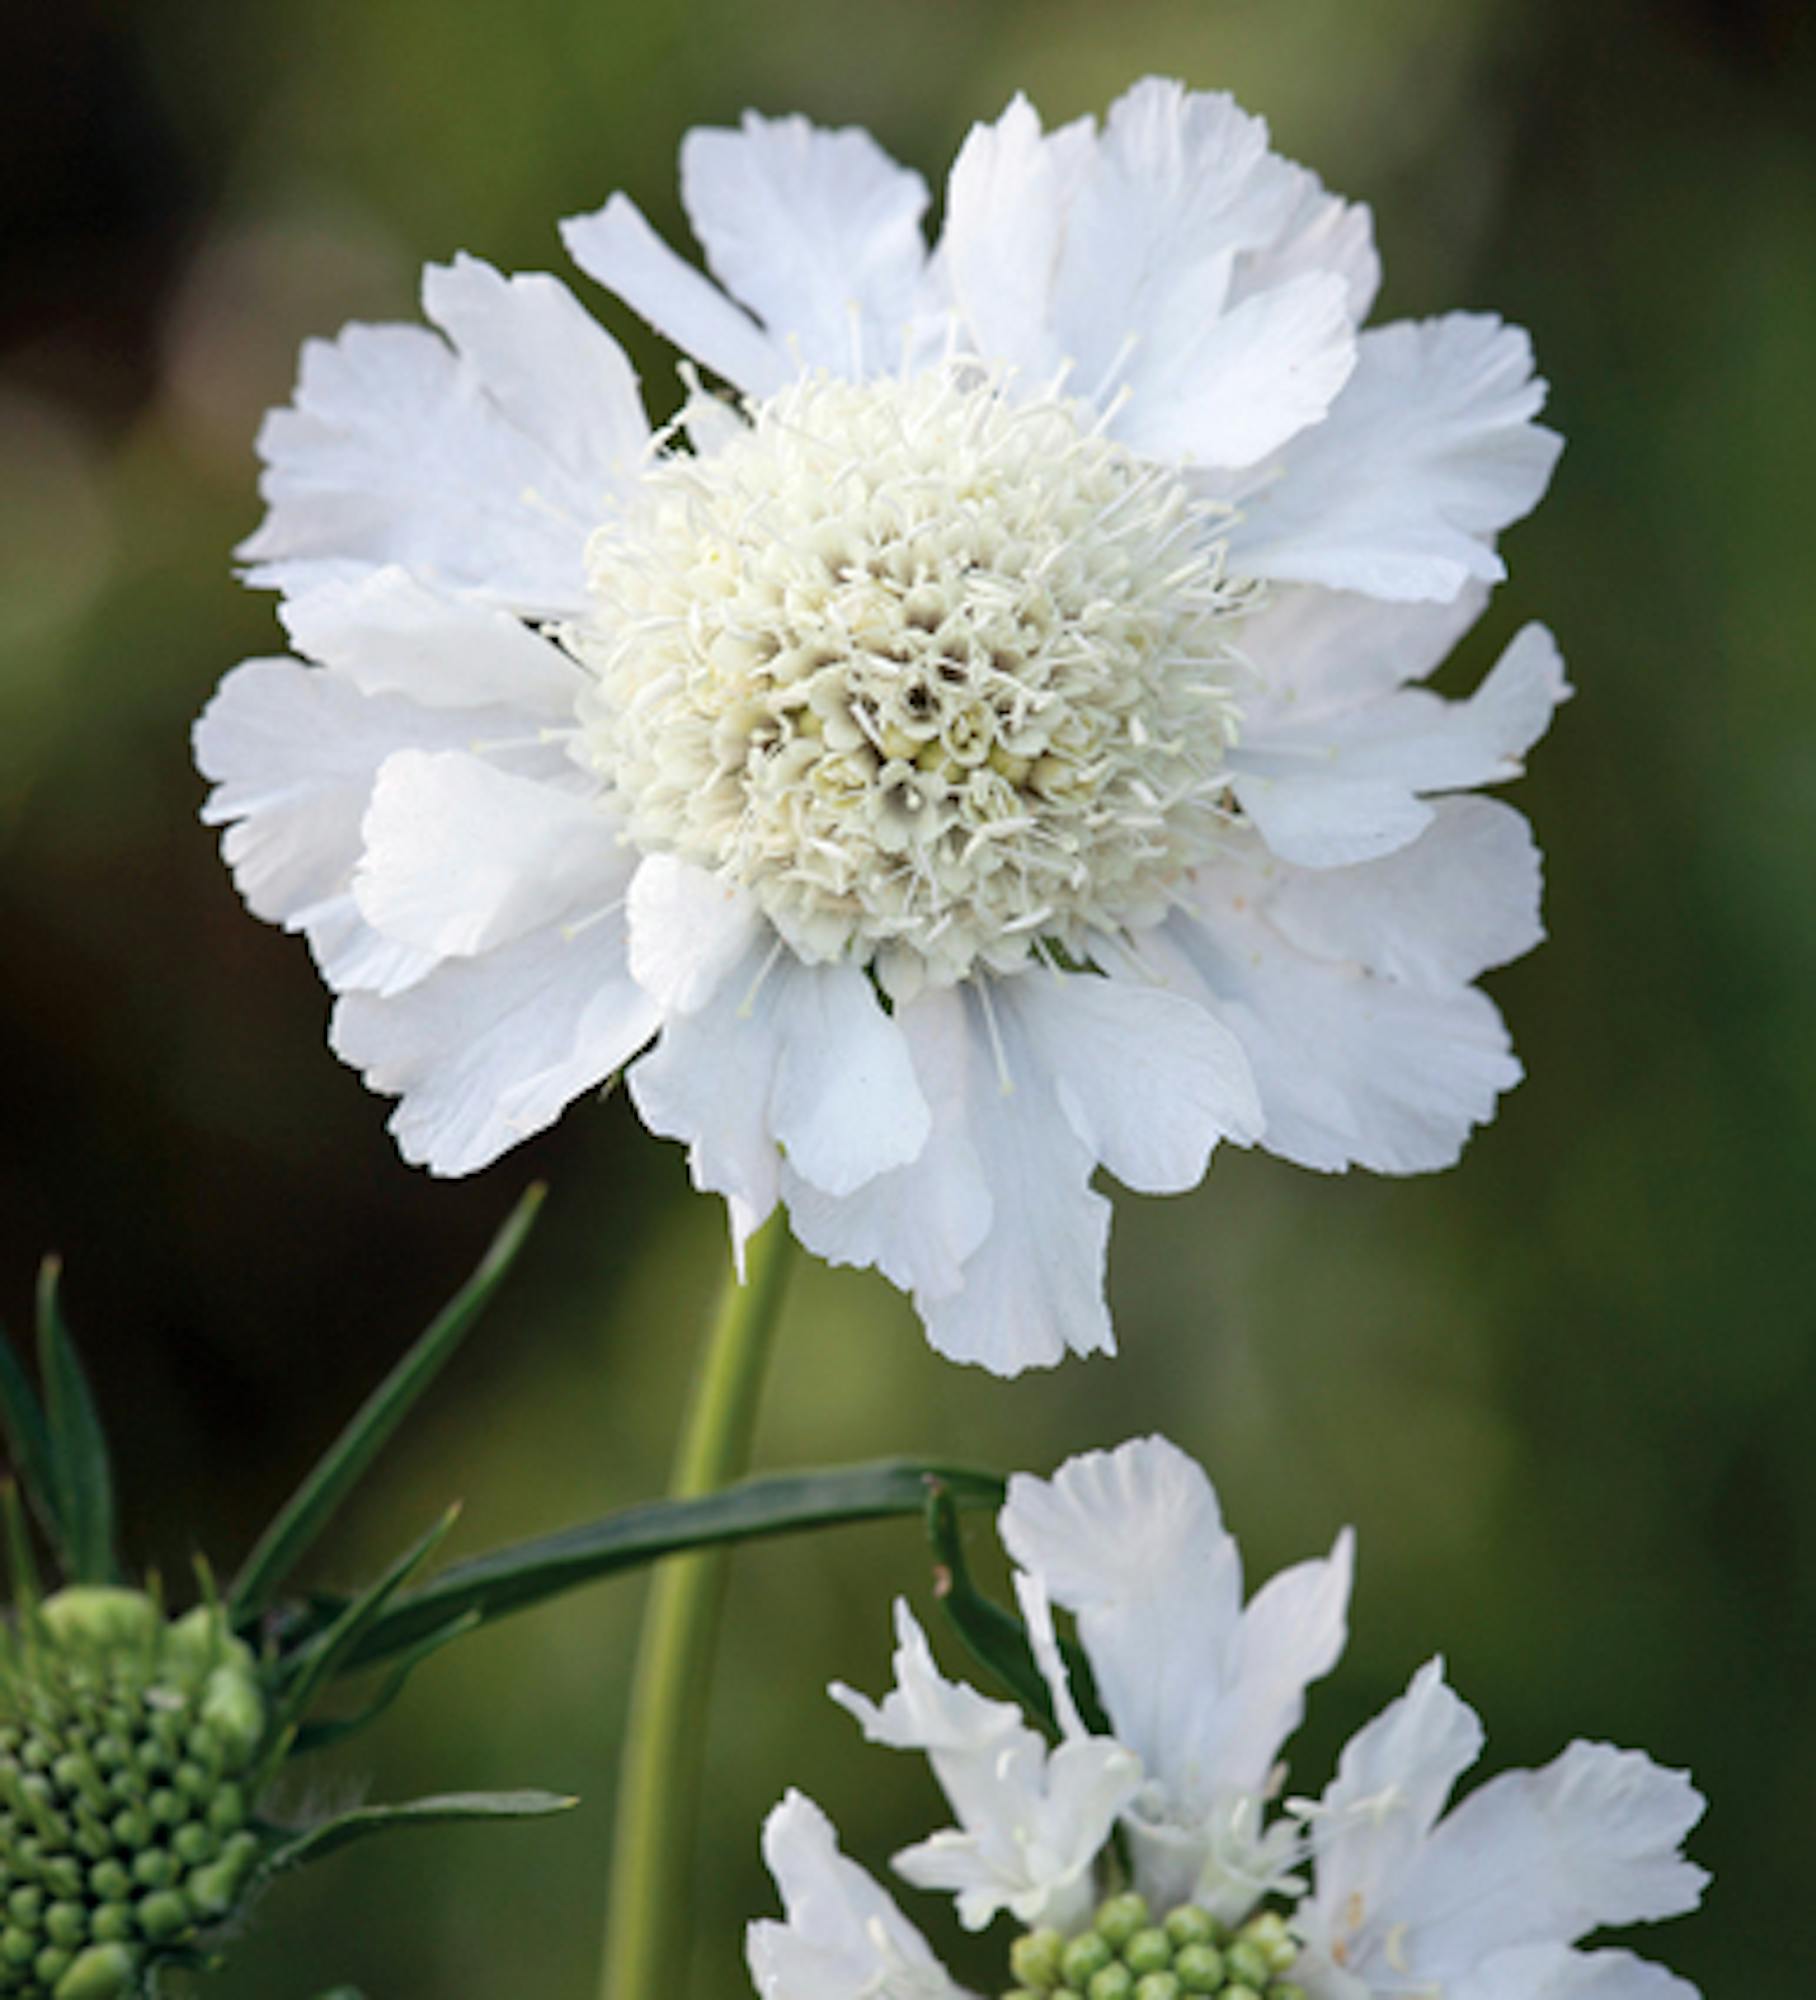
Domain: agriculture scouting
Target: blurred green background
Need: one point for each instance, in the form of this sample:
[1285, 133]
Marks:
[1565, 1393]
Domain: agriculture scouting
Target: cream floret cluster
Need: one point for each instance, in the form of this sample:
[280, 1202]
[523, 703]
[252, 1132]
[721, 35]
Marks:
[1152, 1852]
[976, 742]
[933, 672]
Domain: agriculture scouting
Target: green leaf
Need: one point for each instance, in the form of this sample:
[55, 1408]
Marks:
[28, 1442]
[27, 1593]
[307, 1512]
[329, 1838]
[514, 1578]
[324, 1656]
[995, 1638]
[81, 1471]
[323, 1735]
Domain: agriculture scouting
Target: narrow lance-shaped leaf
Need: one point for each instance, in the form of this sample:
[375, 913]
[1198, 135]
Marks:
[307, 1512]
[996, 1638]
[80, 1467]
[336, 1729]
[28, 1442]
[512, 1579]
[327, 1653]
[334, 1834]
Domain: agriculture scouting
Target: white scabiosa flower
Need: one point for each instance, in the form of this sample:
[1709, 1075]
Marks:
[981, 744]
[1156, 1846]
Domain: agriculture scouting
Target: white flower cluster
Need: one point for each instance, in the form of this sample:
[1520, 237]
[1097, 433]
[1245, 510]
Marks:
[1373, 1891]
[982, 746]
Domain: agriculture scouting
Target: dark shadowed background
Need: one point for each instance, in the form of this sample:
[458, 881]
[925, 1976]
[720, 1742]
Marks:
[1565, 1393]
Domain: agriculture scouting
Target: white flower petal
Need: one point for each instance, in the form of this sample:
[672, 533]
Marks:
[461, 857]
[1132, 1542]
[847, 1106]
[1429, 452]
[1352, 1068]
[1239, 387]
[1030, 1822]
[547, 364]
[1321, 233]
[1392, 1780]
[1034, 1288]
[1180, 185]
[1327, 820]
[919, 1222]
[688, 930]
[1462, 898]
[790, 1055]
[1550, 1972]
[395, 450]
[843, 1937]
[1540, 1857]
[389, 633]
[1316, 652]
[483, 1052]
[1006, 208]
[293, 752]
[1343, 788]
[619, 248]
[817, 232]
[1149, 1081]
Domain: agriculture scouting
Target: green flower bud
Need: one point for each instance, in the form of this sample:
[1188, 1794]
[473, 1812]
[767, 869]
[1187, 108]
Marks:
[1287, 1989]
[1148, 1951]
[102, 1972]
[1082, 1958]
[1238, 1991]
[1157, 1986]
[1120, 1918]
[125, 1746]
[1200, 1968]
[1248, 1963]
[1269, 1935]
[1190, 1925]
[1034, 1959]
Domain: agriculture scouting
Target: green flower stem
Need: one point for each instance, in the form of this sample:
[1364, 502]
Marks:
[665, 1740]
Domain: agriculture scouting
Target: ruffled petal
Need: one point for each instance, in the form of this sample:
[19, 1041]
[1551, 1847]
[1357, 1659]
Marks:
[1149, 1081]
[1132, 1542]
[688, 930]
[1392, 1781]
[389, 633]
[1436, 914]
[842, 1937]
[817, 232]
[1550, 1972]
[617, 247]
[783, 1055]
[461, 857]
[1322, 232]
[398, 448]
[294, 752]
[1352, 1068]
[1543, 1857]
[1428, 453]
[1006, 211]
[483, 1052]
[1180, 185]
[1033, 1290]
[1030, 1822]
[1344, 788]
[916, 1223]
[1318, 653]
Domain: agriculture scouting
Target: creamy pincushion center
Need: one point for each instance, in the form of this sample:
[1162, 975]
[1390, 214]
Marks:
[934, 672]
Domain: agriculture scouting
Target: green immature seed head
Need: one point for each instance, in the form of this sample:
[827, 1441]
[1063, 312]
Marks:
[1128, 1953]
[125, 1746]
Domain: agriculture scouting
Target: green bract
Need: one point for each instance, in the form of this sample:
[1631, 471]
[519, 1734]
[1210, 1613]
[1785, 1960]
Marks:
[1128, 1954]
